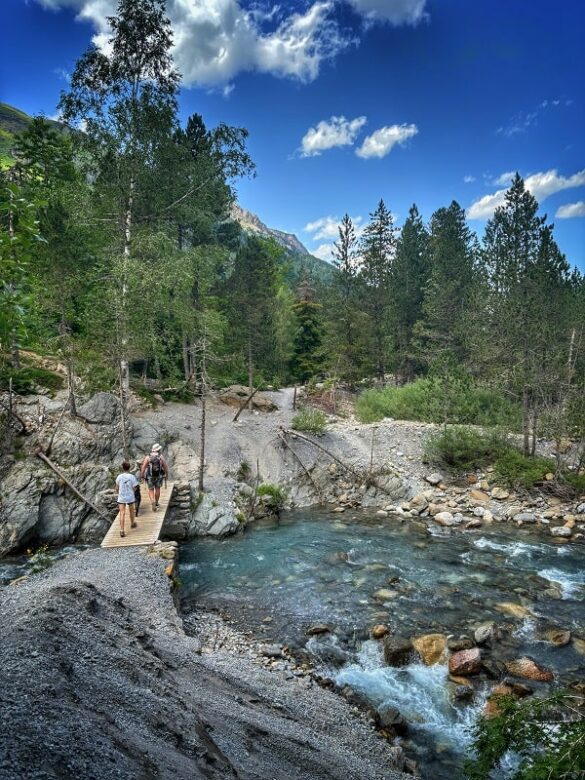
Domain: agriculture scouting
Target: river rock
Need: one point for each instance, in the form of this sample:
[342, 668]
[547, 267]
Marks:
[397, 650]
[432, 648]
[478, 495]
[556, 636]
[525, 517]
[434, 478]
[390, 718]
[484, 632]
[465, 662]
[385, 594]
[528, 669]
[579, 645]
[445, 519]
[515, 610]
[500, 493]
[379, 631]
[497, 693]
[317, 628]
[581, 509]
[563, 531]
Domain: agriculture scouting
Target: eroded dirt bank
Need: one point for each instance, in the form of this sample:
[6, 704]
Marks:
[99, 680]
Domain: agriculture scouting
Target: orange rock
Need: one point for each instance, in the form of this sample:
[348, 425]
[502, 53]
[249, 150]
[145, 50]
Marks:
[379, 631]
[479, 495]
[465, 662]
[528, 669]
[432, 648]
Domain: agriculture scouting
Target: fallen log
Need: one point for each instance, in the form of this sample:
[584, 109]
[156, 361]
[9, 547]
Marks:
[302, 465]
[40, 454]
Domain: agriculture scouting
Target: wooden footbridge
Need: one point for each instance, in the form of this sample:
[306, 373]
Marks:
[149, 522]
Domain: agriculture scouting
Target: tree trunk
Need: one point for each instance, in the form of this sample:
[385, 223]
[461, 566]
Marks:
[15, 354]
[71, 387]
[124, 366]
[250, 372]
[186, 361]
[202, 438]
[526, 421]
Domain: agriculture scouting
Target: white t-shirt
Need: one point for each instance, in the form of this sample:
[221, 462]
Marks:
[126, 483]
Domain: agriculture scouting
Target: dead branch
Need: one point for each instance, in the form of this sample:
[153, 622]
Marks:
[246, 402]
[55, 429]
[40, 454]
[301, 464]
[297, 435]
[17, 417]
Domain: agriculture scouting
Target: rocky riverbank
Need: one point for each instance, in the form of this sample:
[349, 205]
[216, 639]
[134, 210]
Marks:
[100, 680]
[352, 465]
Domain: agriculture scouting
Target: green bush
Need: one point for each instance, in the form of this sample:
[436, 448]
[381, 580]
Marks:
[458, 447]
[547, 735]
[310, 420]
[440, 400]
[26, 379]
[276, 493]
[576, 481]
[518, 470]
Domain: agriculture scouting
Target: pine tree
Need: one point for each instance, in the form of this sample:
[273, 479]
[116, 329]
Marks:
[453, 250]
[307, 358]
[377, 251]
[409, 278]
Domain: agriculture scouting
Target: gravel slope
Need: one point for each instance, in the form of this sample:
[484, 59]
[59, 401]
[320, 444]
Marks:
[99, 681]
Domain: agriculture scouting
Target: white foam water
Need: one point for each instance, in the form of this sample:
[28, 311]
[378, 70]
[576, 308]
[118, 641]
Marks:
[419, 692]
[512, 550]
[572, 583]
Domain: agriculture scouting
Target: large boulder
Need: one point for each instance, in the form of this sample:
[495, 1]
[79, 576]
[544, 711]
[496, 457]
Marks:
[397, 650]
[235, 395]
[101, 409]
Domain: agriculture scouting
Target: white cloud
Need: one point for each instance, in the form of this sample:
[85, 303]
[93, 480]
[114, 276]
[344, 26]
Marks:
[214, 40]
[324, 252]
[468, 179]
[504, 179]
[328, 227]
[337, 131]
[524, 120]
[396, 12]
[570, 210]
[380, 143]
[541, 185]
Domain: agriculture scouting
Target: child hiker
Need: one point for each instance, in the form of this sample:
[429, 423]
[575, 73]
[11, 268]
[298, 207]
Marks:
[125, 483]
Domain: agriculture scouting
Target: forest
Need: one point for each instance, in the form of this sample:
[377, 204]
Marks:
[121, 260]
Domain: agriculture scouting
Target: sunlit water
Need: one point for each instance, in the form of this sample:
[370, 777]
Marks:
[314, 567]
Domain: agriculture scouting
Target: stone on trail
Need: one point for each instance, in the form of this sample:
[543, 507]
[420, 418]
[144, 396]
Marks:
[528, 669]
[465, 662]
[434, 478]
[432, 648]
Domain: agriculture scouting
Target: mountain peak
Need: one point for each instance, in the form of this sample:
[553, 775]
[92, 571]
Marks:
[253, 224]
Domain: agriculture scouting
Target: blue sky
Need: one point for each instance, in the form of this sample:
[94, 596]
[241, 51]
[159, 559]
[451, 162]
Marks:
[348, 101]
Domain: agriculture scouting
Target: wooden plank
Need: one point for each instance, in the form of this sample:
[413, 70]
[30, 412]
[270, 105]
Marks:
[149, 522]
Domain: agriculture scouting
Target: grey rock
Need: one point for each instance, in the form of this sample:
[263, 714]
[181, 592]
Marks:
[102, 408]
[525, 517]
[562, 531]
[434, 478]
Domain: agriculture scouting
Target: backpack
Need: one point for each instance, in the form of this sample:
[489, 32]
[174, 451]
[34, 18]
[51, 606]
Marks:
[155, 467]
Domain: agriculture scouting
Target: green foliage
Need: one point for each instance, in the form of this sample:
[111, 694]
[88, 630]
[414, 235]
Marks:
[459, 447]
[27, 378]
[547, 734]
[40, 559]
[518, 470]
[439, 399]
[244, 471]
[276, 494]
[576, 481]
[310, 420]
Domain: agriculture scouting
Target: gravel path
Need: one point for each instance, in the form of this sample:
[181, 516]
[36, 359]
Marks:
[100, 681]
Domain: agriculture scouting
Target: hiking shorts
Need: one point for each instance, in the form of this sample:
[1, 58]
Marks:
[155, 482]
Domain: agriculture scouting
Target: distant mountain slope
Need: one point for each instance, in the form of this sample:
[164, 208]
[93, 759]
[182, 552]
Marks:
[12, 122]
[298, 255]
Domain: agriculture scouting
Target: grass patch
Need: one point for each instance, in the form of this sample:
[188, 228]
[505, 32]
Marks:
[461, 448]
[310, 421]
[276, 494]
[439, 400]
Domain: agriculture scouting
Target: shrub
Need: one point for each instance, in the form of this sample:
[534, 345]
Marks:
[275, 492]
[547, 735]
[244, 471]
[310, 421]
[25, 380]
[464, 448]
[40, 559]
[439, 400]
[518, 470]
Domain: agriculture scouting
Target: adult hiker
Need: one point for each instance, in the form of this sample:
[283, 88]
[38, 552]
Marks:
[154, 470]
[125, 483]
